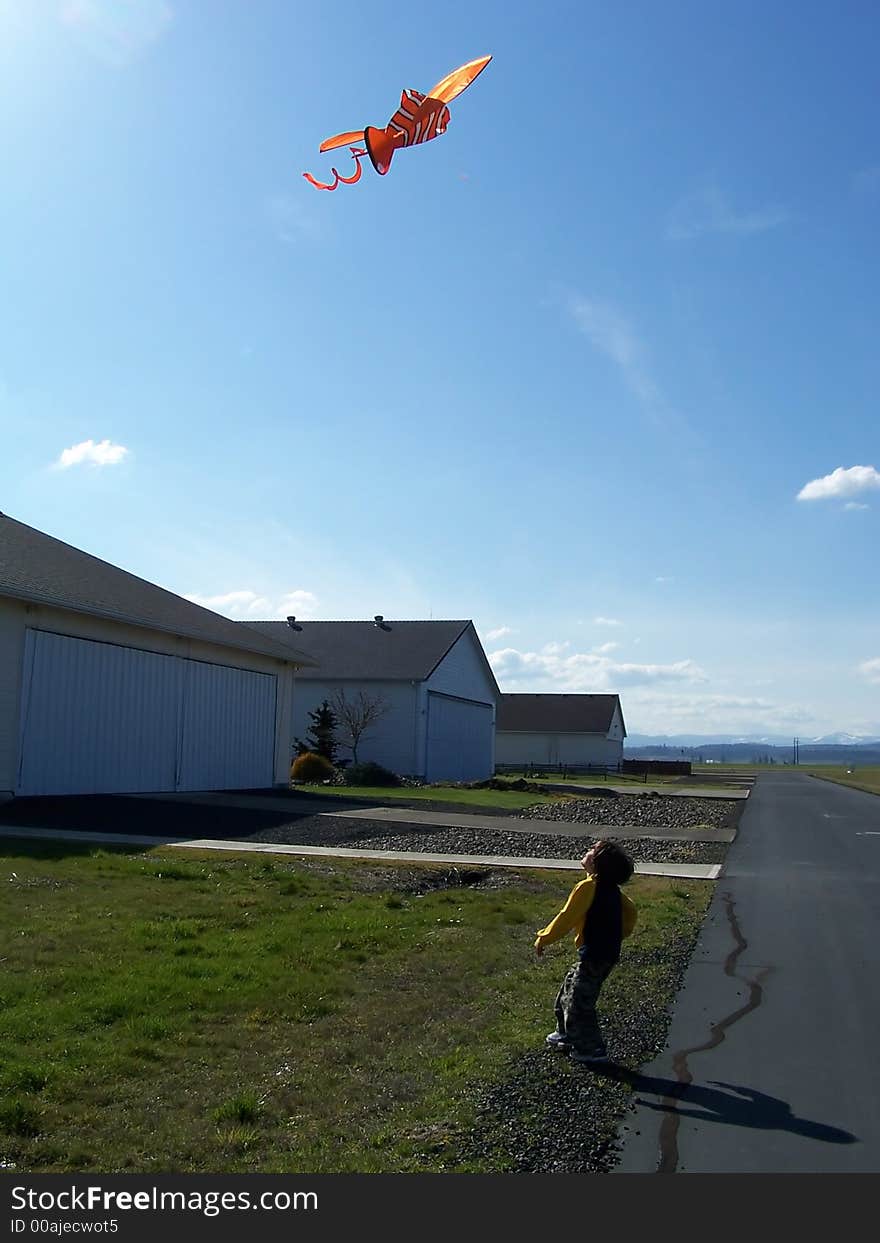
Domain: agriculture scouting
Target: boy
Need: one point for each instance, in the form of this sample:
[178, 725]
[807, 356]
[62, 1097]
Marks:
[600, 916]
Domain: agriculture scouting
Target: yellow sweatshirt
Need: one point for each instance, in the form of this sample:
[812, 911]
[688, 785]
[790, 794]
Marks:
[571, 917]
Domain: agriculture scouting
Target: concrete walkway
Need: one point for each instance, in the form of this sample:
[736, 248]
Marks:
[513, 824]
[685, 871]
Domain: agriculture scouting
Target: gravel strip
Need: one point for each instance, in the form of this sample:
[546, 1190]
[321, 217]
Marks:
[383, 835]
[641, 810]
[551, 1116]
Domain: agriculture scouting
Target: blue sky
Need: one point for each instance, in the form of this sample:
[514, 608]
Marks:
[598, 368]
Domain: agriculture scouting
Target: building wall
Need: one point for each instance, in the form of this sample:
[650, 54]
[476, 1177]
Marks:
[540, 748]
[462, 673]
[391, 742]
[11, 651]
[616, 730]
[16, 616]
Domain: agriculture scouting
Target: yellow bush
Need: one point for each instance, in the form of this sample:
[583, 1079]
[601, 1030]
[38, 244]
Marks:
[311, 767]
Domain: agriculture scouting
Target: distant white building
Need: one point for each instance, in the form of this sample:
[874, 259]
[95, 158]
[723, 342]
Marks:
[559, 729]
[433, 674]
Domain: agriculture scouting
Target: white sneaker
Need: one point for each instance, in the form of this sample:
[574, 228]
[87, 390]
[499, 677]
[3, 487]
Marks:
[556, 1040]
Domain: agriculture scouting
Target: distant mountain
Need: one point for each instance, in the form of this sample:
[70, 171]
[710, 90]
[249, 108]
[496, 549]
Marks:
[764, 740]
[757, 751]
[843, 740]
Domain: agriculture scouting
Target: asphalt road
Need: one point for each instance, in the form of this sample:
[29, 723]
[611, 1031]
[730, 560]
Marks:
[773, 1059]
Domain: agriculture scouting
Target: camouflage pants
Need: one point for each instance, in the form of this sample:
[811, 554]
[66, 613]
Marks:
[576, 1006]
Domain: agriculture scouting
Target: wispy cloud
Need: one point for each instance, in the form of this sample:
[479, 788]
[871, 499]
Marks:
[708, 211]
[870, 670]
[557, 667]
[116, 31]
[499, 633]
[88, 453]
[867, 181]
[289, 221]
[856, 505]
[664, 578]
[613, 335]
[841, 484]
[606, 621]
[251, 606]
[604, 648]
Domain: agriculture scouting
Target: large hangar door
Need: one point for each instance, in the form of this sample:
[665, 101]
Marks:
[459, 739]
[102, 718]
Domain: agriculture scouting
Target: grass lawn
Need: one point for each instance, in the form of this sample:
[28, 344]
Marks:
[513, 800]
[596, 779]
[867, 778]
[236, 1014]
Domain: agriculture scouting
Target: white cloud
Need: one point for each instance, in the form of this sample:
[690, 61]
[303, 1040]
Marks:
[500, 633]
[116, 31]
[666, 711]
[606, 621]
[708, 211]
[840, 484]
[604, 648]
[556, 668]
[87, 452]
[855, 505]
[614, 336]
[870, 670]
[249, 606]
[664, 578]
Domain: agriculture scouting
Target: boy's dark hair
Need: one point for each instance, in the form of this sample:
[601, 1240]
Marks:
[612, 863]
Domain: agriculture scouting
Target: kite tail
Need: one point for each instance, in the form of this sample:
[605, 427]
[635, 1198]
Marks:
[357, 154]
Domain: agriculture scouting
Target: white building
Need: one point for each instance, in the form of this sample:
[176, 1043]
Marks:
[109, 684]
[433, 675]
[559, 729]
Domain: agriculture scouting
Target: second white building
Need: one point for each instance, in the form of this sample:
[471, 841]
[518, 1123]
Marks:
[433, 675]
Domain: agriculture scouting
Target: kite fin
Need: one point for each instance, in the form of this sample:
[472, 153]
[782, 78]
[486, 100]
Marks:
[454, 83]
[342, 140]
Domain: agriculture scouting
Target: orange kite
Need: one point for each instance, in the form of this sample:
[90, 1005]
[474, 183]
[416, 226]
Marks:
[418, 119]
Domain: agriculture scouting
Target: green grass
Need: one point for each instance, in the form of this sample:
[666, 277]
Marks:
[867, 778]
[512, 800]
[235, 1014]
[597, 779]
[626, 781]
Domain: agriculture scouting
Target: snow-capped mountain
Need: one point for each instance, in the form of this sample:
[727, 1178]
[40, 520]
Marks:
[768, 740]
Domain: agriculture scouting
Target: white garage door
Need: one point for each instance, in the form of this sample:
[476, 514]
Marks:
[459, 739]
[98, 718]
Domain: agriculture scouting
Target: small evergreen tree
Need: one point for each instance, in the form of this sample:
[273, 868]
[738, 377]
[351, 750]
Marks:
[322, 739]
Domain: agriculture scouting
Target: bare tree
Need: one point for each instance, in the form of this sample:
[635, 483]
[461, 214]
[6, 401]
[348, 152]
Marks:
[357, 716]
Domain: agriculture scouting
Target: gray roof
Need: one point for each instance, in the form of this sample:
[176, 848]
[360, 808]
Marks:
[40, 569]
[407, 651]
[557, 714]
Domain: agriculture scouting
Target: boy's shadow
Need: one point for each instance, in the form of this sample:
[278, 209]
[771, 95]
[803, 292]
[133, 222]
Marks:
[737, 1106]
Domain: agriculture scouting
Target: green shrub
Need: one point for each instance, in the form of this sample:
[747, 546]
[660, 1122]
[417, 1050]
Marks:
[370, 775]
[311, 767]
